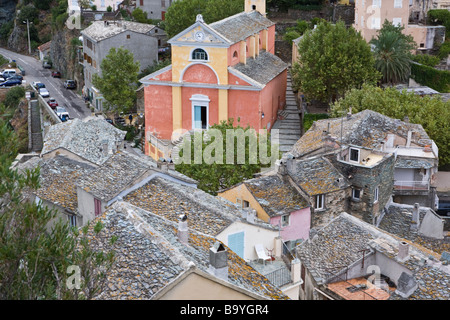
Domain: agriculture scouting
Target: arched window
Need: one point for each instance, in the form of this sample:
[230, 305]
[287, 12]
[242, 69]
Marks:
[235, 55]
[199, 54]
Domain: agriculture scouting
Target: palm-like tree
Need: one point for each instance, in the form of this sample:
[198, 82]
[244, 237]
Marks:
[392, 52]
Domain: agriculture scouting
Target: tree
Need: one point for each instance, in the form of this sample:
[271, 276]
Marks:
[431, 112]
[218, 161]
[332, 59]
[36, 249]
[118, 80]
[182, 14]
[392, 52]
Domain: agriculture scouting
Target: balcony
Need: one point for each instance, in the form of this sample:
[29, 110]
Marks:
[411, 185]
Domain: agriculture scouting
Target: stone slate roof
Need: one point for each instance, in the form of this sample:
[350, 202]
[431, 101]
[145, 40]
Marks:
[275, 196]
[241, 26]
[398, 219]
[413, 163]
[86, 138]
[149, 256]
[262, 69]
[336, 246]
[116, 174]
[57, 181]
[207, 214]
[98, 31]
[365, 129]
[316, 176]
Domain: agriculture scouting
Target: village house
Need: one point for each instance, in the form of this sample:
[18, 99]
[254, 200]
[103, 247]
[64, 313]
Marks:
[91, 140]
[57, 189]
[156, 9]
[276, 202]
[158, 261]
[141, 39]
[349, 259]
[219, 71]
[121, 173]
[371, 14]
[253, 240]
[364, 137]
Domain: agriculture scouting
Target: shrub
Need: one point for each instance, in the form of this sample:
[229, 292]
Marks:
[428, 76]
[426, 59]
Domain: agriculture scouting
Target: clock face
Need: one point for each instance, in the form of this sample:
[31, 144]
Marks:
[199, 36]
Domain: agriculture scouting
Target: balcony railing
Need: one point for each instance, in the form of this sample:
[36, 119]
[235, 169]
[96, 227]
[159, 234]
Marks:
[279, 277]
[412, 185]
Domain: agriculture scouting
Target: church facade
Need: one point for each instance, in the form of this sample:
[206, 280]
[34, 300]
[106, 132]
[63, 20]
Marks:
[224, 70]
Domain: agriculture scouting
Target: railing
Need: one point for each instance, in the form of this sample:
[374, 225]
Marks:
[412, 185]
[279, 277]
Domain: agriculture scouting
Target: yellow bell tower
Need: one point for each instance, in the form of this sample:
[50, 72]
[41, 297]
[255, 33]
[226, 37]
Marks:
[258, 5]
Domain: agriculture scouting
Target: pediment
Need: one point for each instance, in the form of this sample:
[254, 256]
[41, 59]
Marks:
[200, 34]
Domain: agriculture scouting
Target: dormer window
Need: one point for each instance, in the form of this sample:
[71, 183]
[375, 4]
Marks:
[354, 155]
[199, 54]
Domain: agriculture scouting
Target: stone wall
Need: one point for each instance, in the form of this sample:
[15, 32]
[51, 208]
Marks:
[332, 13]
[367, 179]
[335, 203]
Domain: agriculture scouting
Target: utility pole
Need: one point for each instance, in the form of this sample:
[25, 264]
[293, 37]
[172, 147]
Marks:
[28, 32]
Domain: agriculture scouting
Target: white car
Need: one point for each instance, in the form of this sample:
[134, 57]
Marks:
[44, 93]
[62, 113]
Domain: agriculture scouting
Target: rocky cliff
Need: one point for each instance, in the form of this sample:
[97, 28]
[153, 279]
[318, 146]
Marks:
[7, 10]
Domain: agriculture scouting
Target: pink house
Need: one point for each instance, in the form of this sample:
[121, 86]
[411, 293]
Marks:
[277, 202]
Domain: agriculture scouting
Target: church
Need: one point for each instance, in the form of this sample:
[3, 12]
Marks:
[219, 71]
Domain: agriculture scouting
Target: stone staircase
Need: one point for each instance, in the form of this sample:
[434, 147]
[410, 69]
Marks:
[35, 127]
[288, 123]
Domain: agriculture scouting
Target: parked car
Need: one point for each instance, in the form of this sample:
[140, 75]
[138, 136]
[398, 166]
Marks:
[46, 65]
[37, 85]
[56, 74]
[52, 103]
[17, 76]
[70, 84]
[10, 83]
[62, 113]
[44, 93]
[8, 73]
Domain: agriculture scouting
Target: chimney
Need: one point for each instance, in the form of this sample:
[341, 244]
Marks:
[250, 215]
[105, 147]
[183, 232]
[349, 113]
[415, 217]
[406, 285]
[403, 251]
[218, 261]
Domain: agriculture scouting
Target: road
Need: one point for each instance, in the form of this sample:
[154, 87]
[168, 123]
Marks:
[34, 71]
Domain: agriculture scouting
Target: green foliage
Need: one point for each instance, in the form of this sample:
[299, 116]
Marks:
[299, 29]
[36, 247]
[426, 59]
[440, 17]
[59, 14]
[13, 96]
[332, 59]
[392, 52]
[285, 5]
[28, 12]
[182, 13]
[155, 67]
[140, 16]
[118, 82]
[309, 118]
[6, 29]
[213, 176]
[439, 80]
[444, 50]
[431, 112]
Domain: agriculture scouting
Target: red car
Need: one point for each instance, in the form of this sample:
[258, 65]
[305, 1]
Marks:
[56, 74]
[52, 103]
